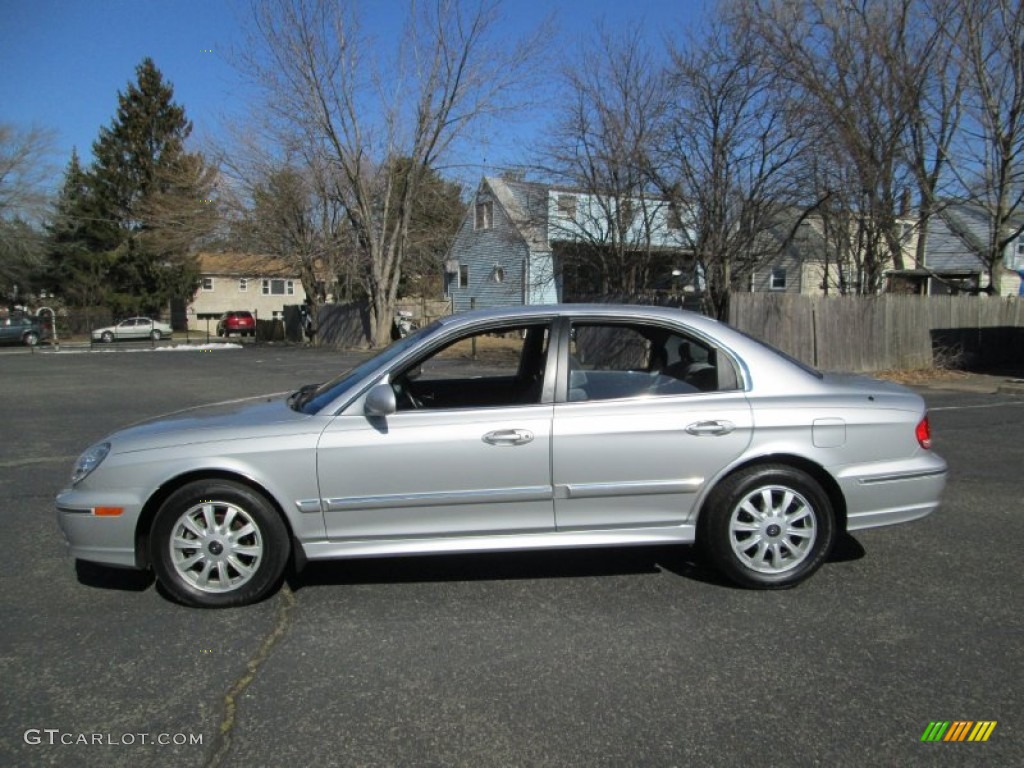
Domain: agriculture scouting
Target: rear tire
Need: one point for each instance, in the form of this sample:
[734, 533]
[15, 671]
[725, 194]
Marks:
[218, 544]
[31, 339]
[767, 527]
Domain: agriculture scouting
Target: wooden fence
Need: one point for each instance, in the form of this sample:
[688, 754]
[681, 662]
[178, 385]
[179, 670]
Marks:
[348, 325]
[888, 332]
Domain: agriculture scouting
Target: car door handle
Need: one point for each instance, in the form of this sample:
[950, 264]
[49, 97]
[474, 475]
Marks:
[701, 428]
[508, 437]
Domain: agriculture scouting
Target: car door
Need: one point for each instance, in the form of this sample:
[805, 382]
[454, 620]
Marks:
[641, 426]
[125, 329]
[467, 452]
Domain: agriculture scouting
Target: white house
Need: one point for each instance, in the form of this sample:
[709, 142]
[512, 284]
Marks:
[262, 285]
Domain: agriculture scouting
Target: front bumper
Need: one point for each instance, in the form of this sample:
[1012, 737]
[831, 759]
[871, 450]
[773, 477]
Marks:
[95, 537]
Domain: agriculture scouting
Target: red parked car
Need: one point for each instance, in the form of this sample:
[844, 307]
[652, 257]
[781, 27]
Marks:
[241, 322]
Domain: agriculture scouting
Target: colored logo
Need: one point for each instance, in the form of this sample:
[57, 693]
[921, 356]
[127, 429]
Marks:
[958, 730]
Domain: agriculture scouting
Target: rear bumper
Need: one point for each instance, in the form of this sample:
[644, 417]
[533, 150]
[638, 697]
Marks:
[892, 493]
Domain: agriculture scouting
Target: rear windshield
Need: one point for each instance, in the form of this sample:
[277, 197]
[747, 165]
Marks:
[784, 355]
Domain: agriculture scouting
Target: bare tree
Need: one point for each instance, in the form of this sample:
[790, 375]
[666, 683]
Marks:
[24, 155]
[183, 211]
[991, 153]
[24, 169]
[360, 115]
[726, 157]
[610, 223]
[930, 83]
[283, 206]
[837, 58]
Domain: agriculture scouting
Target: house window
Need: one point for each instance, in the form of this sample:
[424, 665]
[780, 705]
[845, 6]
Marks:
[498, 275]
[567, 206]
[778, 282]
[463, 276]
[242, 285]
[278, 287]
[485, 215]
[207, 283]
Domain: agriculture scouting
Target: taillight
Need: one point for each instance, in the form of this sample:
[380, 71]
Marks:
[923, 433]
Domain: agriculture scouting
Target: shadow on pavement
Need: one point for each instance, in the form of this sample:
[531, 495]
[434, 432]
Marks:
[506, 566]
[109, 577]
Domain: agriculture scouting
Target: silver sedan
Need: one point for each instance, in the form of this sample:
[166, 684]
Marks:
[533, 428]
[133, 328]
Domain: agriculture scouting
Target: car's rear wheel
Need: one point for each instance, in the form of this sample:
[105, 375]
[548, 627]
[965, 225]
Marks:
[31, 339]
[767, 527]
[217, 543]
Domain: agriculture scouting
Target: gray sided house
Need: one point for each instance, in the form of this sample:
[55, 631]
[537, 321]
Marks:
[529, 243]
[797, 264]
[956, 237]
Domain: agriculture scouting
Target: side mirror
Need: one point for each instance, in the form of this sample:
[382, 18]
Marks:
[380, 401]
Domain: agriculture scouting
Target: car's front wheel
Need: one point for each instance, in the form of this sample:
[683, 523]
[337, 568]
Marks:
[156, 335]
[217, 543]
[767, 527]
[107, 337]
[31, 339]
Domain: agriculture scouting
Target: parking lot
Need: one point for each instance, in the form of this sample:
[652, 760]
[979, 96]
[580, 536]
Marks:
[586, 658]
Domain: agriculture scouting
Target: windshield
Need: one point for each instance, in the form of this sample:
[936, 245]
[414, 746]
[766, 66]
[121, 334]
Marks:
[312, 398]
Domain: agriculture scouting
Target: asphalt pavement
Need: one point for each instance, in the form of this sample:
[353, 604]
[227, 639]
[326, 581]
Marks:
[629, 657]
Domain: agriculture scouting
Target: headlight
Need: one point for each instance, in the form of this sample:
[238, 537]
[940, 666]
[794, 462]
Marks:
[88, 461]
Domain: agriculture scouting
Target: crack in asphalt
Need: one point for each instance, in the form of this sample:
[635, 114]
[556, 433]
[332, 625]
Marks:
[222, 742]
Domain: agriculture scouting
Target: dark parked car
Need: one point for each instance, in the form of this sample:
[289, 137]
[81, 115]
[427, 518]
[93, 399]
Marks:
[236, 321]
[21, 330]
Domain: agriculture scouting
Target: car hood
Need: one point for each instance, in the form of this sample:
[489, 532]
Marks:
[233, 420]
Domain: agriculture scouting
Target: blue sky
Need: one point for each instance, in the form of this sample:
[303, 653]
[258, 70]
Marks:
[63, 61]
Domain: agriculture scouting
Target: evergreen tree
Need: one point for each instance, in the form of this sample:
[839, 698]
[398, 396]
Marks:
[80, 246]
[144, 186]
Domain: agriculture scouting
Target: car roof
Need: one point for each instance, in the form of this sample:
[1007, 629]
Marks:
[616, 311]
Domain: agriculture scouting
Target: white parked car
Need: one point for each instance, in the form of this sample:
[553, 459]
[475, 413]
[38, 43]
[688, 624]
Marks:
[133, 328]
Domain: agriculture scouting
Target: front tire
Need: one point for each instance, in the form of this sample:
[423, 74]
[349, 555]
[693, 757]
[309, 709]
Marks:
[767, 527]
[31, 339]
[217, 544]
[107, 337]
